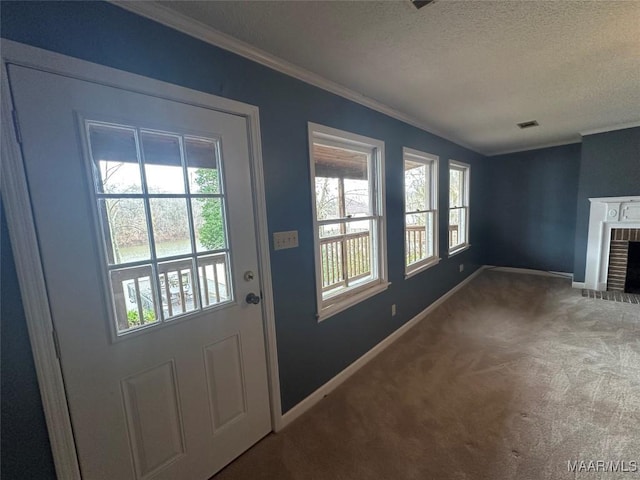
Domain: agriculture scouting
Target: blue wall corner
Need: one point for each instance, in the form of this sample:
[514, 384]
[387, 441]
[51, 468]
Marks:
[530, 208]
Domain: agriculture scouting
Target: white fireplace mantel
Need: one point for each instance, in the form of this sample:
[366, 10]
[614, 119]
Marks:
[606, 214]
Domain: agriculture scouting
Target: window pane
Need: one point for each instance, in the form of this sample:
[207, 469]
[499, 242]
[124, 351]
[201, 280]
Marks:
[358, 226]
[176, 288]
[358, 250]
[331, 255]
[209, 223]
[342, 182]
[133, 297]
[202, 165]
[215, 281]
[345, 254]
[416, 186]
[124, 227]
[162, 163]
[456, 227]
[456, 188]
[115, 157]
[419, 242]
[331, 229]
[327, 201]
[170, 226]
[356, 198]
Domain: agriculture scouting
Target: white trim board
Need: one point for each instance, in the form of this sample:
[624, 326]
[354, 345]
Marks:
[340, 378]
[15, 196]
[208, 34]
[529, 271]
[542, 273]
[22, 234]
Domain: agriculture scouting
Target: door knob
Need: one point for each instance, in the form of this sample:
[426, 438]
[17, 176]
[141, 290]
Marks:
[252, 298]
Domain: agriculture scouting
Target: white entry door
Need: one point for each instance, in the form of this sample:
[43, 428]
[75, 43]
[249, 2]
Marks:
[144, 214]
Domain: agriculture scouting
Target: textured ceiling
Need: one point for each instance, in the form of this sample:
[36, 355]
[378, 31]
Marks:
[468, 70]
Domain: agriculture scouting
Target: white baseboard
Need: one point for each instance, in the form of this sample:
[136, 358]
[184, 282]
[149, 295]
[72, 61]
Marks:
[528, 271]
[336, 381]
[578, 284]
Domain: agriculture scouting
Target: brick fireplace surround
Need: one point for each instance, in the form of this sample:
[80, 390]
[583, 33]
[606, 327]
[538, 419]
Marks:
[619, 255]
[612, 223]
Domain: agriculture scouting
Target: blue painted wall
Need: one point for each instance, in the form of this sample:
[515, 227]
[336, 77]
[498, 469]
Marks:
[610, 167]
[24, 446]
[309, 353]
[528, 219]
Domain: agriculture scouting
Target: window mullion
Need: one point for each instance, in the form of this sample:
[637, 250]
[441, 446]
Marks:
[155, 280]
[331, 221]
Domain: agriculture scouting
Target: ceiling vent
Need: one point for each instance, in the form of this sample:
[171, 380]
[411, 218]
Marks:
[529, 124]
[421, 3]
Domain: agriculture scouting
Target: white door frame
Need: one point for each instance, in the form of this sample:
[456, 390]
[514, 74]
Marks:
[22, 232]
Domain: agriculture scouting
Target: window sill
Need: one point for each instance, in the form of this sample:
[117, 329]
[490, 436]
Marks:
[422, 267]
[459, 249]
[352, 300]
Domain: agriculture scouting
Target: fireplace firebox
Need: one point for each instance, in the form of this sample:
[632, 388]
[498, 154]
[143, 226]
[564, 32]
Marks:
[632, 284]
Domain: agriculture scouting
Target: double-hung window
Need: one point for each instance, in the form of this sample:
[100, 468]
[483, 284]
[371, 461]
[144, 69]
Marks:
[349, 224]
[459, 177]
[420, 210]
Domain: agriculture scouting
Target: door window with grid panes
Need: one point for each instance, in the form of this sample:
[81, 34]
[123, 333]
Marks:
[421, 210]
[161, 204]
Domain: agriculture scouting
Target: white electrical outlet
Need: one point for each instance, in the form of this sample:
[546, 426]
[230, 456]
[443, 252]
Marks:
[393, 310]
[282, 240]
[462, 267]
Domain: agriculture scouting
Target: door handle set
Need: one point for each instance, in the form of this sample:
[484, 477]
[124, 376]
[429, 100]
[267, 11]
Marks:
[252, 298]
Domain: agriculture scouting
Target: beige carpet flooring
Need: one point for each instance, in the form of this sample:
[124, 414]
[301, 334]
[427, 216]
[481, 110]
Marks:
[511, 378]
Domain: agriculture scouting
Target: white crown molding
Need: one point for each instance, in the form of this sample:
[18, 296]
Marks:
[612, 128]
[208, 34]
[531, 148]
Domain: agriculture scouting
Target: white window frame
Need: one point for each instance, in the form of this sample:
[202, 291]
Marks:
[409, 154]
[327, 307]
[465, 168]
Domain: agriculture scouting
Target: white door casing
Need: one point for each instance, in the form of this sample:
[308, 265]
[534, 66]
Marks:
[113, 384]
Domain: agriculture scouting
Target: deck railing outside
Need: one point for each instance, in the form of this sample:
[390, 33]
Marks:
[351, 253]
[415, 243]
[137, 307]
[453, 235]
[340, 254]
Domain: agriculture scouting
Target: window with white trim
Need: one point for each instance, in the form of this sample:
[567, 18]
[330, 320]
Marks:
[349, 224]
[459, 177]
[420, 210]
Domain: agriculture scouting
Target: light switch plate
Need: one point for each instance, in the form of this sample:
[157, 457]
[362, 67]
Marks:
[282, 240]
